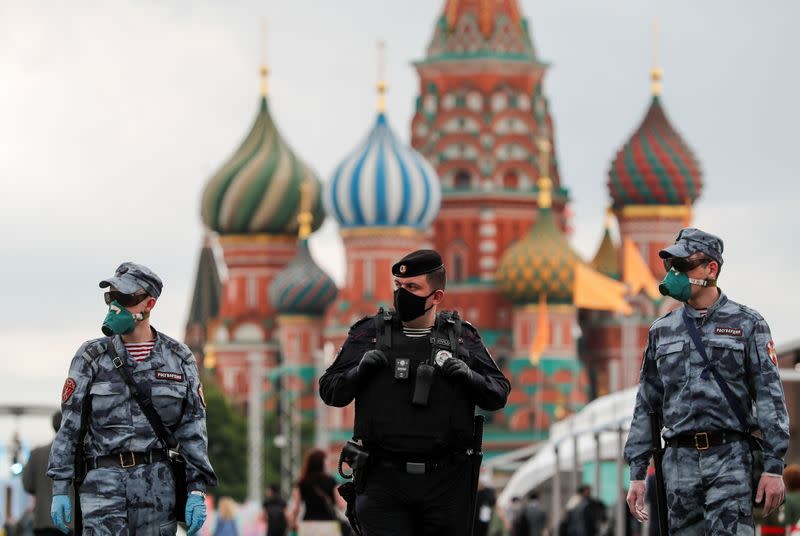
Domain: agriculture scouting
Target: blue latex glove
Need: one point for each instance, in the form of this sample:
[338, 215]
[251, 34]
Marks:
[195, 514]
[61, 512]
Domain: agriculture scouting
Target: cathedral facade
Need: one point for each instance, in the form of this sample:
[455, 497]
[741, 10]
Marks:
[481, 184]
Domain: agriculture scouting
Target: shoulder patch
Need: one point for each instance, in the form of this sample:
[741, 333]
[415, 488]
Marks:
[67, 390]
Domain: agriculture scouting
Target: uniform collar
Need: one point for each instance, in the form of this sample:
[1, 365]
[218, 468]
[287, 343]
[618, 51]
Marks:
[155, 360]
[722, 299]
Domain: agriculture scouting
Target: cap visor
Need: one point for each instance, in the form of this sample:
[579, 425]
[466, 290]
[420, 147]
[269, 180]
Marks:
[675, 250]
[123, 285]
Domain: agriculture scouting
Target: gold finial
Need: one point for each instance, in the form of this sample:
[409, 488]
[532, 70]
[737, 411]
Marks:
[381, 76]
[545, 183]
[609, 217]
[656, 73]
[264, 70]
[304, 218]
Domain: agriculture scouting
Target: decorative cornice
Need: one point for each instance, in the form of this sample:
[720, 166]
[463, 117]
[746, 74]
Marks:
[655, 211]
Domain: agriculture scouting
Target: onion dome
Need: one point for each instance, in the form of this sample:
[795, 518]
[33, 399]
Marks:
[606, 260]
[258, 189]
[302, 288]
[383, 183]
[655, 166]
[543, 262]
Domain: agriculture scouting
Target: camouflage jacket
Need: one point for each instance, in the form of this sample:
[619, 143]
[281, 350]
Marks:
[117, 424]
[739, 345]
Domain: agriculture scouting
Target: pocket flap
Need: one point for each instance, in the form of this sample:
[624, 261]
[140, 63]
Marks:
[165, 389]
[669, 348]
[731, 344]
[106, 388]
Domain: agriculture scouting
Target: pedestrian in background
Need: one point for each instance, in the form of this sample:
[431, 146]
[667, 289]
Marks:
[275, 512]
[36, 482]
[791, 508]
[226, 524]
[535, 515]
[316, 491]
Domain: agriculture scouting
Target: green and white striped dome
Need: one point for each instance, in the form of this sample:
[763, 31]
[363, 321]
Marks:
[258, 190]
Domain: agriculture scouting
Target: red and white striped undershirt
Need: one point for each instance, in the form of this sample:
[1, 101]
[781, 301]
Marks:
[140, 350]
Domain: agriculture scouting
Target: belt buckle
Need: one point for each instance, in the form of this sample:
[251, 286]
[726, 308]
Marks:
[415, 468]
[122, 460]
[697, 443]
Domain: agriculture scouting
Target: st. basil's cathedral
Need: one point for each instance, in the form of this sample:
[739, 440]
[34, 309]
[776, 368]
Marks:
[481, 185]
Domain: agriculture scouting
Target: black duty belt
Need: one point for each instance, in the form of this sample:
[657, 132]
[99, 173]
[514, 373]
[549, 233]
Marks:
[126, 459]
[705, 440]
[417, 467]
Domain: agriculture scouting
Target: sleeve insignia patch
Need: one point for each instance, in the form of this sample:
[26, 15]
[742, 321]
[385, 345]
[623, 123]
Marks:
[773, 354]
[67, 390]
[200, 394]
[731, 332]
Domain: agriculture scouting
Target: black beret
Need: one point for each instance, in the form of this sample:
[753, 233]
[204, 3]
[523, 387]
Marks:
[422, 261]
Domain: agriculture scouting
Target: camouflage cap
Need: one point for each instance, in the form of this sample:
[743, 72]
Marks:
[131, 277]
[691, 240]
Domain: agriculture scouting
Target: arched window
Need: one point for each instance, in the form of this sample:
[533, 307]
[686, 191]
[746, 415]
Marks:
[458, 267]
[463, 180]
[511, 180]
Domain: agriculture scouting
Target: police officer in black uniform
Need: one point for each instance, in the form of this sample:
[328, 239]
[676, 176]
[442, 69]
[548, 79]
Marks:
[416, 376]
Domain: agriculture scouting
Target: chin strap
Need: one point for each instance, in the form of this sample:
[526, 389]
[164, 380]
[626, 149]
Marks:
[703, 282]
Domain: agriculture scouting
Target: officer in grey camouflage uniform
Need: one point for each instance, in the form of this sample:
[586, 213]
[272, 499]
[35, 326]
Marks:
[707, 463]
[129, 488]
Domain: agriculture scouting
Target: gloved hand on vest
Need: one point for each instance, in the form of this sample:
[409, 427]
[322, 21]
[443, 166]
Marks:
[457, 369]
[371, 361]
[61, 512]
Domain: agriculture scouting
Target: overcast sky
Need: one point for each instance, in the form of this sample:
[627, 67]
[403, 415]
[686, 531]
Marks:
[114, 113]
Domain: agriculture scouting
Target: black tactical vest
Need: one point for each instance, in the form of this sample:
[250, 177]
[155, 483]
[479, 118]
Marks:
[385, 416]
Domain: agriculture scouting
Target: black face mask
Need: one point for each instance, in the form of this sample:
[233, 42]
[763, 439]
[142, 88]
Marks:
[410, 306]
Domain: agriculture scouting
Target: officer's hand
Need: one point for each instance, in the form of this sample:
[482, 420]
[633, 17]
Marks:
[61, 512]
[770, 489]
[636, 500]
[457, 369]
[372, 361]
[195, 514]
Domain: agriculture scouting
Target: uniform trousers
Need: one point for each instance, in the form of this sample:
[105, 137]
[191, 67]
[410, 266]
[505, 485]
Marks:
[134, 501]
[396, 503]
[709, 491]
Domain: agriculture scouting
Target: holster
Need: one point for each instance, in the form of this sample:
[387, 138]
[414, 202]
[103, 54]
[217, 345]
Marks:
[357, 457]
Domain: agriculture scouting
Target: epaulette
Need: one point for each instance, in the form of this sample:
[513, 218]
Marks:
[662, 317]
[178, 347]
[93, 349]
[748, 311]
[361, 327]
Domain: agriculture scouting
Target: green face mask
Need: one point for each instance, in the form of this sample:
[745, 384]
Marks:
[678, 285]
[119, 321]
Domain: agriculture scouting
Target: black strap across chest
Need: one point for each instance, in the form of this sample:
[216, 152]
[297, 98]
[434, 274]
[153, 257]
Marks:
[145, 402]
[733, 402]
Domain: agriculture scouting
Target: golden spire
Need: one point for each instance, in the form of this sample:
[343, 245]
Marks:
[264, 70]
[305, 217]
[381, 76]
[545, 183]
[609, 217]
[656, 73]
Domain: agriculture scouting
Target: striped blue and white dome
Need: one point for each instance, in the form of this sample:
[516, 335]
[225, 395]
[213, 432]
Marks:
[383, 183]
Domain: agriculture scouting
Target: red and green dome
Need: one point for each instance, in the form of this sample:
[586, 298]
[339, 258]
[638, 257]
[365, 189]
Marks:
[655, 167]
[542, 262]
[258, 190]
